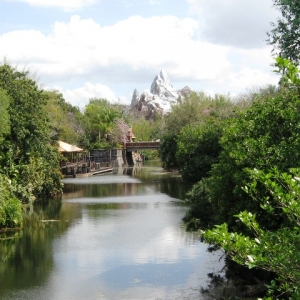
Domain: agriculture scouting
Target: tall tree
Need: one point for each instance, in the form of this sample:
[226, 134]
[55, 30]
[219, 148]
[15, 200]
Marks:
[29, 127]
[285, 35]
[30, 160]
[198, 148]
[101, 116]
[185, 128]
[66, 121]
[118, 132]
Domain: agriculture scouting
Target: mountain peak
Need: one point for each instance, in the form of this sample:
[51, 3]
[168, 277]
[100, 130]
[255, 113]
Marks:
[162, 86]
[159, 99]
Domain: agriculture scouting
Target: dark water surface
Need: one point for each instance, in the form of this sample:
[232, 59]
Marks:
[114, 236]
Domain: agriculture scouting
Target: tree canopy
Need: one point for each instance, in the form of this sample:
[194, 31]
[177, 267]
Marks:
[285, 35]
[100, 117]
[66, 121]
[29, 129]
[253, 190]
[29, 156]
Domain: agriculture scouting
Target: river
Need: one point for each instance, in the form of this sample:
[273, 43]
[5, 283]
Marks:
[119, 235]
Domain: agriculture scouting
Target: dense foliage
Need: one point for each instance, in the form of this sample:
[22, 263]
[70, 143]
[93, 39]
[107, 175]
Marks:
[167, 152]
[275, 251]
[28, 129]
[29, 162]
[100, 117]
[255, 180]
[10, 208]
[190, 142]
[198, 149]
[67, 123]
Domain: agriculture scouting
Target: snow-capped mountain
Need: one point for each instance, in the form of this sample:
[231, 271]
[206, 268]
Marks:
[160, 98]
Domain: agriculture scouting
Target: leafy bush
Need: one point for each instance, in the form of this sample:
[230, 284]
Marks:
[265, 135]
[10, 207]
[254, 188]
[192, 131]
[201, 211]
[167, 152]
[275, 251]
[198, 149]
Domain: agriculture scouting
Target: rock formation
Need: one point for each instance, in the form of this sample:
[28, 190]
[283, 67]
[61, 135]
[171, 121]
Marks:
[159, 99]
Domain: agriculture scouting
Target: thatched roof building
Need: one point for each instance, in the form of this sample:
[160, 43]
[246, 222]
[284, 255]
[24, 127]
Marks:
[67, 148]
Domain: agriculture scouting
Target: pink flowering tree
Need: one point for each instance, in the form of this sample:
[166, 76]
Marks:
[117, 135]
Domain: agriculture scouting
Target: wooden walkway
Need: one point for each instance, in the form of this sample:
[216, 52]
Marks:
[84, 169]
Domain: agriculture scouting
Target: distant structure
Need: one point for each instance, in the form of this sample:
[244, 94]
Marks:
[73, 160]
[159, 99]
[130, 135]
[71, 153]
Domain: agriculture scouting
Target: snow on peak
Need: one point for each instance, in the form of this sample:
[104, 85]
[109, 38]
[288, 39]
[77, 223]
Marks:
[163, 87]
[160, 98]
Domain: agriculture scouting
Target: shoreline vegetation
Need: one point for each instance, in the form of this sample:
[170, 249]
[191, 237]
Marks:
[246, 196]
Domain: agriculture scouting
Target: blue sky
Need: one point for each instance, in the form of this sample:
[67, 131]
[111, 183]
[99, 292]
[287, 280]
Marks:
[108, 48]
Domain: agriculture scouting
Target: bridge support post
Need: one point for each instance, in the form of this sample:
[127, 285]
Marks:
[129, 159]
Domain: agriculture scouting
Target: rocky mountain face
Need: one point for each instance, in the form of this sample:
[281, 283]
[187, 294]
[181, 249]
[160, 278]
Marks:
[159, 99]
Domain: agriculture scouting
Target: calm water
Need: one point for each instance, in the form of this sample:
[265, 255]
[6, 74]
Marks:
[114, 236]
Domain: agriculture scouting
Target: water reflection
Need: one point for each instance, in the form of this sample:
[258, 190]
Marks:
[114, 236]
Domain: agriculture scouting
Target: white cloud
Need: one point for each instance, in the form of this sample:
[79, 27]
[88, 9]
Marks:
[250, 78]
[79, 46]
[82, 53]
[235, 22]
[80, 96]
[68, 5]
[250, 68]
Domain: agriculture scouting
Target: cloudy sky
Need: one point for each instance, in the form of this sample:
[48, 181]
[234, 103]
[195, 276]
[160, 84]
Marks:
[107, 48]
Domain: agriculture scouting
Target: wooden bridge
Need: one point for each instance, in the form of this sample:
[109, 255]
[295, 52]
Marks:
[138, 146]
[130, 147]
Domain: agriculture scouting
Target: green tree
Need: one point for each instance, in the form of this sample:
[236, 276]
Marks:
[255, 181]
[100, 115]
[28, 120]
[29, 136]
[274, 251]
[198, 149]
[191, 133]
[66, 121]
[264, 136]
[193, 108]
[285, 35]
[10, 206]
[142, 129]
[167, 152]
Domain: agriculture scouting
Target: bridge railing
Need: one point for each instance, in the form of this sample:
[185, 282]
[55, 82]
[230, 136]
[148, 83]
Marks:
[136, 146]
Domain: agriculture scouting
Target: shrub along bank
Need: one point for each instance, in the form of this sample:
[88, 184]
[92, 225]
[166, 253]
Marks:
[253, 190]
[29, 161]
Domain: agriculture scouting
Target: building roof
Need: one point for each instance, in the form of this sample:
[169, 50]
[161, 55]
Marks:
[65, 147]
